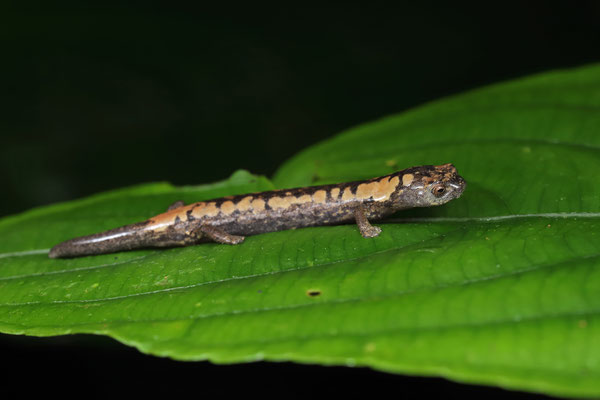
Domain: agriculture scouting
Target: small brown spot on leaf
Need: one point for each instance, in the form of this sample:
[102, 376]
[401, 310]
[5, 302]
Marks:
[392, 164]
[313, 292]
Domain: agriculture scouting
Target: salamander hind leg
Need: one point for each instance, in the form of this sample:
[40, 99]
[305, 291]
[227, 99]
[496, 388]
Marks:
[219, 235]
[366, 229]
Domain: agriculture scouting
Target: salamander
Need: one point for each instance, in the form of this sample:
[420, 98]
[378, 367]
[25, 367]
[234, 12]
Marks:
[229, 219]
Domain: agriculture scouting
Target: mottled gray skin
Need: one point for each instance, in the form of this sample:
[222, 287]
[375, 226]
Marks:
[359, 201]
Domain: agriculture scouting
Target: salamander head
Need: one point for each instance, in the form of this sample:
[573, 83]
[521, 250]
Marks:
[431, 185]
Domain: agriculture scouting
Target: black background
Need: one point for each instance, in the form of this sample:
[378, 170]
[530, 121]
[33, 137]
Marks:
[94, 97]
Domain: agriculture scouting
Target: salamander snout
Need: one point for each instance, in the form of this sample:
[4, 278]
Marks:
[449, 190]
[448, 185]
[431, 185]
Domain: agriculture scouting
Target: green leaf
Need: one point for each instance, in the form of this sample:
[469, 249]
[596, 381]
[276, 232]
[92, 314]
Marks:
[499, 287]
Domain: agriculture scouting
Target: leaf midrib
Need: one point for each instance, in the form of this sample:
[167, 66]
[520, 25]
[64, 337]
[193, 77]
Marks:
[370, 298]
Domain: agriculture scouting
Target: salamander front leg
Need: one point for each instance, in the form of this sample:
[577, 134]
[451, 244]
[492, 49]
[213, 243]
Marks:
[219, 235]
[366, 229]
[175, 205]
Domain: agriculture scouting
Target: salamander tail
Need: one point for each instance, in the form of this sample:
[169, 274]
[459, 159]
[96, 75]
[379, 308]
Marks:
[127, 237]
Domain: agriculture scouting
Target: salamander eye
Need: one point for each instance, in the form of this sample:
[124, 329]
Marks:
[438, 190]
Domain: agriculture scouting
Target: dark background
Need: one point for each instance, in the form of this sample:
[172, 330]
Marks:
[99, 97]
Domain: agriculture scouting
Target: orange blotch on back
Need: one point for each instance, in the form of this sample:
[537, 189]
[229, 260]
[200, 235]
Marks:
[378, 190]
[320, 196]
[306, 198]
[162, 221]
[257, 205]
[227, 207]
[278, 202]
[347, 195]
[407, 179]
[288, 201]
[209, 209]
[245, 204]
